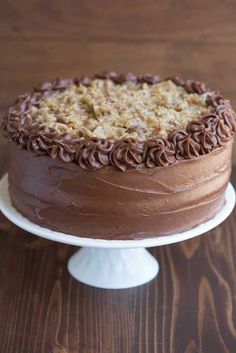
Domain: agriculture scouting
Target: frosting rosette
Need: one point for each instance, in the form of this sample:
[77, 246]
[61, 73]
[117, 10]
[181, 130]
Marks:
[201, 136]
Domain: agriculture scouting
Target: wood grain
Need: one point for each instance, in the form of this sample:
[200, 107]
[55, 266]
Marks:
[85, 20]
[189, 308]
[41, 40]
[153, 57]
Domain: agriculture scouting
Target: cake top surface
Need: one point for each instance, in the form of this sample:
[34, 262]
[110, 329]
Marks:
[123, 121]
[129, 110]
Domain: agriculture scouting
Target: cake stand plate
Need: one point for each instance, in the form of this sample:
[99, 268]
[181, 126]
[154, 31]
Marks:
[112, 264]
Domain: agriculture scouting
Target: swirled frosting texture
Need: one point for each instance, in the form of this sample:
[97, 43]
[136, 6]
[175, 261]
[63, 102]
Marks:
[202, 136]
[139, 203]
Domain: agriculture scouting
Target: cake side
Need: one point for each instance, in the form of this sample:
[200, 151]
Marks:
[107, 204]
[171, 139]
[123, 121]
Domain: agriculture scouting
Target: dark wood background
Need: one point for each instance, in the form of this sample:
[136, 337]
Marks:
[41, 39]
[191, 306]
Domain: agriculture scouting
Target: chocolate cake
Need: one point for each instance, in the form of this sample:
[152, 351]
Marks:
[119, 156]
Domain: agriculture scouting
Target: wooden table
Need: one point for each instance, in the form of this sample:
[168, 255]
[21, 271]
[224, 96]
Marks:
[190, 307]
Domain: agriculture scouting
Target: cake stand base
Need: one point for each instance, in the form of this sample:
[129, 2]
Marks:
[113, 268]
[112, 264]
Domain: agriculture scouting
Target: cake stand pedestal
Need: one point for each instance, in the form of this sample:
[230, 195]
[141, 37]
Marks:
[112, 264]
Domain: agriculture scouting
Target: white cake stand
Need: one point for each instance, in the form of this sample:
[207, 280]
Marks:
[112, 264]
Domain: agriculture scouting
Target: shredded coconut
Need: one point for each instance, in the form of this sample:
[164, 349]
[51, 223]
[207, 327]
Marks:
[112, 111]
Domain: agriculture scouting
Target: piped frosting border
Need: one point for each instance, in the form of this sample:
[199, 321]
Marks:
[200, 137]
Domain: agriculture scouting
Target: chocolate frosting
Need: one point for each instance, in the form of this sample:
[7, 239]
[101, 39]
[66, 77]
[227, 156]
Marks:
[106, 204]
[159, 152]
[211, 131]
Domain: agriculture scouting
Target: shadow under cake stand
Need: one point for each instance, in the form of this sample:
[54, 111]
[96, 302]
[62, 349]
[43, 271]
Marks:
[112, 264]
